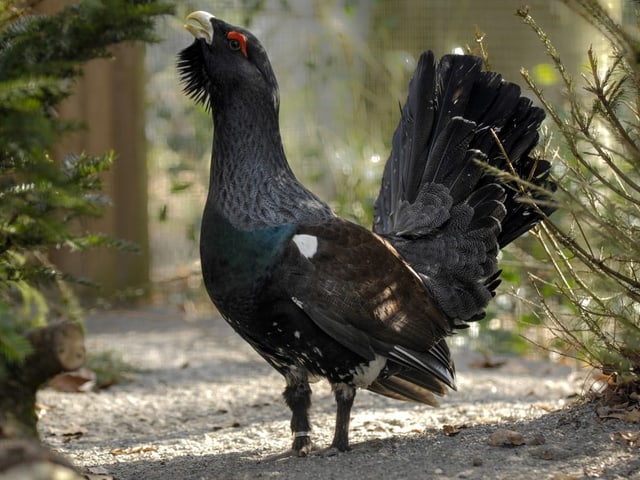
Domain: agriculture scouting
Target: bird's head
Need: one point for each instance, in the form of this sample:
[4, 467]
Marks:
[225, 62]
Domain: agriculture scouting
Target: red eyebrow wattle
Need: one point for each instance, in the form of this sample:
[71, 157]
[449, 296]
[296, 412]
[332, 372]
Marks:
[240, 38]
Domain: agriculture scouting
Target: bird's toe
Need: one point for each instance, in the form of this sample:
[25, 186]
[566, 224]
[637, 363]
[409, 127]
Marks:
[302, 445]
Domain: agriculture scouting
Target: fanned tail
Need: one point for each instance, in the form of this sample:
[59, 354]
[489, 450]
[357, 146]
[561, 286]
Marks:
[438, 205]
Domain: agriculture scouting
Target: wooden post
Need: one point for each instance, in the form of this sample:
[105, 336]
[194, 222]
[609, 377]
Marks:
[110, 99]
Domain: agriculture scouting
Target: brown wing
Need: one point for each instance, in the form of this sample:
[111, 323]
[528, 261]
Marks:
[356, 287]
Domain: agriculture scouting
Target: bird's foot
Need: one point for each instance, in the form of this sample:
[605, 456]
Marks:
[299, 449]
[333, 450]
[301, 444]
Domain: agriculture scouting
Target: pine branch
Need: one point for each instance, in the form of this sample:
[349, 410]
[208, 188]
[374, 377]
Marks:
[41, 200]
[594, 246]
[56, 45]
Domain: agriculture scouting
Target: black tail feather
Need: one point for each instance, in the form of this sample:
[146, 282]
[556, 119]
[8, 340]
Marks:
[468, 176]
[404, 382]
[417, 385]
[438, 205]
[450, 148]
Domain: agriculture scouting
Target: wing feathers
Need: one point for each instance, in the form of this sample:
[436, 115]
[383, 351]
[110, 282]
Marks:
[390, 313]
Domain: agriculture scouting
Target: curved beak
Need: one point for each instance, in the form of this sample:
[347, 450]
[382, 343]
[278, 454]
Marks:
[199, 25]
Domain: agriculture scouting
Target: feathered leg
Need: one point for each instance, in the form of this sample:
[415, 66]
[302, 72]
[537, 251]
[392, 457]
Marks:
[297, 394]
[344, 394]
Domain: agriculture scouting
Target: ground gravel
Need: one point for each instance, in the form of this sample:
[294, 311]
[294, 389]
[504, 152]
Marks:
[205, 406]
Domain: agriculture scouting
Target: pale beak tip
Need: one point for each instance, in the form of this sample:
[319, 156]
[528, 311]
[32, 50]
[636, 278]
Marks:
[199, 25]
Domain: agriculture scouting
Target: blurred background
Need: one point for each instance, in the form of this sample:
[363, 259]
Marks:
[343, 67]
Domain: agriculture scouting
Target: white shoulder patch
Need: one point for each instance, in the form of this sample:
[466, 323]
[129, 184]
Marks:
[307, 244]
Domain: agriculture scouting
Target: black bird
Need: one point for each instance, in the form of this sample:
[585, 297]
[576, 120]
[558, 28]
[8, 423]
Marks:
[320, 297]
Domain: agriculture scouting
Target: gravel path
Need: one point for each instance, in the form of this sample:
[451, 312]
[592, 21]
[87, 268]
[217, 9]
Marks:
[206, 406]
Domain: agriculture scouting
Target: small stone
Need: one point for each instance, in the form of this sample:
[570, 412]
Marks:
[438, 471]
[505, 438]
[477, 461]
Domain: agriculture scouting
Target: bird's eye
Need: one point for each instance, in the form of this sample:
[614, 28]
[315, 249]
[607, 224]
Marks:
[238, 41]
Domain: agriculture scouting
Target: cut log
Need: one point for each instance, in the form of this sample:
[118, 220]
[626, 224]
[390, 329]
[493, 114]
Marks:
[56, 348]
[27, 459]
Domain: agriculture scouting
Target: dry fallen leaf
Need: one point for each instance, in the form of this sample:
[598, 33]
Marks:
[451, 430]
[631, 439]
[632, 416]
[132, 450]
[229, 424]
[81, 380]
[370, 426]
[505, 438]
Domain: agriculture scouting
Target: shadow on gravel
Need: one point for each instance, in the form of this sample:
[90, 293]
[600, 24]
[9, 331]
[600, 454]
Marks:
[570, 444]
[207, 407]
